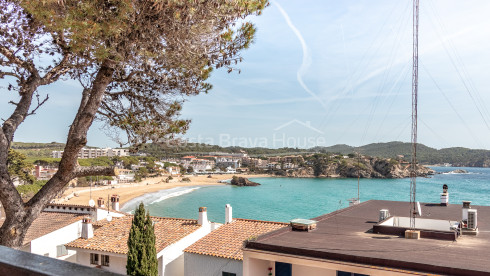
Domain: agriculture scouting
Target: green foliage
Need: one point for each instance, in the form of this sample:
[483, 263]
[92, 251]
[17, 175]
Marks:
[142, 172]
[19, 167]
[29, 190]
[37, 150]
[47, 161]
[319, 163]
[142, 255]
[99, 161]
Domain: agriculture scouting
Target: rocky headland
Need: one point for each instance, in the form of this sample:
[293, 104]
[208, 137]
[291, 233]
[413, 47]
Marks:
[368, 167]
[242, 181]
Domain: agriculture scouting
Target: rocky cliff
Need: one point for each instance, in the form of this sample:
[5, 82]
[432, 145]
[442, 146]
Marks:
[370, 167]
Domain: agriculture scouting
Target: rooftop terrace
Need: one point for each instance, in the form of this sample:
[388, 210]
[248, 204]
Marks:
[347, 235]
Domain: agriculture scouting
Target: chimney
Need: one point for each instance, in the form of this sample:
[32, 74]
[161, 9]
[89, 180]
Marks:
[87, 229]
[100, 202]
[228, 214]
[115, 202]
[466, 207]
[203, 216]
[444, 196]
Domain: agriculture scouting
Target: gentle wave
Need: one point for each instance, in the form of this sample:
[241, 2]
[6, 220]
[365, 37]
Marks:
[175, 194]
[156, 197]
[459, 173]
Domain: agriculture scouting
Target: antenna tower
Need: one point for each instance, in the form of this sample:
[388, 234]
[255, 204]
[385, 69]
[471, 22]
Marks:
[415, 84]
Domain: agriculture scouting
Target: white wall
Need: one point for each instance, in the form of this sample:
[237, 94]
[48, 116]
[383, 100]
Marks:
[172, 255]
[257, 263]
[102, 214]
[421, 223]
[312, 271]
[204, 265]
[117, 262]
[47, 243]
[253, 266]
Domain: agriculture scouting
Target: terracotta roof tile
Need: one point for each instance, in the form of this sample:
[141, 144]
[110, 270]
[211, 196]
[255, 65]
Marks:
[48, 222]
[227, 241]
[113, 236]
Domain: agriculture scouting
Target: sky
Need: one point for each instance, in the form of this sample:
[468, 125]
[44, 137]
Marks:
[331, 72]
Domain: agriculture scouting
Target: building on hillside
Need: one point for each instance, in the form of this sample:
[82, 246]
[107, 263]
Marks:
[95, 152]
[228, 161]
[59, 224]
[255, 162]
[125, 176]
[44, 172]
[107, 248]
[173, 170]
[198, 165]
[364, 239]
[220, 252]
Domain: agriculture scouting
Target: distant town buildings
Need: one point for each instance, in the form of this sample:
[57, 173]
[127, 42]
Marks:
[95, 152]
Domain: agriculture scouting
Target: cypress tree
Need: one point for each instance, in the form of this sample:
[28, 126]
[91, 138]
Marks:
[142, 255]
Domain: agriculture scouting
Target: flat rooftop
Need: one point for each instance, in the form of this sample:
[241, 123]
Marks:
[346, 235]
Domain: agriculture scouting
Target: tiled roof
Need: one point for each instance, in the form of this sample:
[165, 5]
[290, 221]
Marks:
[113, 236]
[227, 241]
[48, 222]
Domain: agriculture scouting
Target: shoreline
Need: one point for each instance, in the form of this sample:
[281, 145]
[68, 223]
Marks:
[129, 191]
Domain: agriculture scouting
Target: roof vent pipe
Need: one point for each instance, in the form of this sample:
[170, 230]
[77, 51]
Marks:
[444, 196]
[203, 216]
[466, 207]
[228, 214]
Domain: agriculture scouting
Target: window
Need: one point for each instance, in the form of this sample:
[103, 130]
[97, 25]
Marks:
[228, 274]
[61, 251]
[94, 259]
[284, 269]
[344, 273]
[105, 260]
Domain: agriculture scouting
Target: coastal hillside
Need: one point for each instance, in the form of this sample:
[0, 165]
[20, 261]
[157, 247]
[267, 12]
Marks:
[456, 156]
[38, 150]
[322, 165]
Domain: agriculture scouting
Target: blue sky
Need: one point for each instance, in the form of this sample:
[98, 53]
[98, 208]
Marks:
[332, 72]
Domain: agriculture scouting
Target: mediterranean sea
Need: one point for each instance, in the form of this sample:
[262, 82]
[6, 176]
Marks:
[283, 199]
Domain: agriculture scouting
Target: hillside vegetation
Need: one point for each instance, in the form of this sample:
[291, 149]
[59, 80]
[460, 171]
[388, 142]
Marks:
[456, 156]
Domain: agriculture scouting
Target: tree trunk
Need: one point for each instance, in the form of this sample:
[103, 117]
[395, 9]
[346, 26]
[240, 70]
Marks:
[20, 215]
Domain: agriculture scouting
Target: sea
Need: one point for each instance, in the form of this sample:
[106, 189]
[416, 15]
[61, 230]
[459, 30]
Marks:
[284, 199]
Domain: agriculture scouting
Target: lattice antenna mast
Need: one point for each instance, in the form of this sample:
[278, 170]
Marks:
[415, 84]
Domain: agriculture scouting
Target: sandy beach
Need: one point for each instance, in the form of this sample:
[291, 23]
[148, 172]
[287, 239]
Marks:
[128, 191]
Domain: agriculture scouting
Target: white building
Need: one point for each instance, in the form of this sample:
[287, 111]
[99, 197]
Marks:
[108, 248]
[125, 176]
[220, 252]
[228, 161]
[59, 224]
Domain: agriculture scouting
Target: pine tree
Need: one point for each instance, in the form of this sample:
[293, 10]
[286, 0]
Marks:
[142, 255]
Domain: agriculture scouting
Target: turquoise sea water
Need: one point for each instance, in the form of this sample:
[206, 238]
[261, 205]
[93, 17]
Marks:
[283, 199]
